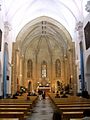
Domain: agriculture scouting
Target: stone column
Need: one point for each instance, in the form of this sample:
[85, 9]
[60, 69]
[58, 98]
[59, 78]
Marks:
[79, 28]
[7, 29]
[21, 71]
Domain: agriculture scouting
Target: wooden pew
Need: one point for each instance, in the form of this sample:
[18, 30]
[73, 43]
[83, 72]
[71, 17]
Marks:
[69, 115]
[75, 119]
[25, 110]
[74, 109]
[16, 108]
[19, 115]
[69, 100]
[73, 105]
[9, 119]
[31, 102]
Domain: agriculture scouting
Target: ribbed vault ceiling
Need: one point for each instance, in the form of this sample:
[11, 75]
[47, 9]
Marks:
[43, 33]
[44, 24]
[21, 12]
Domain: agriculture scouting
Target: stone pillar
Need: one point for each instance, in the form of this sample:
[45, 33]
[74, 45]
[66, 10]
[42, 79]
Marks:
[65, 69]
[15, 68]
[21, 71]
[79, 28]
[7, 29]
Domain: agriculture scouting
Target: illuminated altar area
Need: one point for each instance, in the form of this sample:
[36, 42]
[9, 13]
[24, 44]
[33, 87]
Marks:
[47, 60]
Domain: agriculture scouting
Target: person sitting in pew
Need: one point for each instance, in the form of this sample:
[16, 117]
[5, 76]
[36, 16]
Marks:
[86, 114]
[57, 95]
[57, 115]
[64, 95]
[85, 94]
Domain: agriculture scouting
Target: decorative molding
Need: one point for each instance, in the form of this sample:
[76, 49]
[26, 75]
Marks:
[87, 6]
[79, 28]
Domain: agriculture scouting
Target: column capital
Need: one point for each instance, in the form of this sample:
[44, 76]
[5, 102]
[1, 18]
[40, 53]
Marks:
[7, 28]
[87, 6]
[79, 26]
[79, 29]
[7, 25]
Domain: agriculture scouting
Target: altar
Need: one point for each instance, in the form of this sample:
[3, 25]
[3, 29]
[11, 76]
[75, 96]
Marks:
[46, 89]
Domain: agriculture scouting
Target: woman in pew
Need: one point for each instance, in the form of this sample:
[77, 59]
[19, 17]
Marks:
[57, 95]
[86, 114]
[57, 115]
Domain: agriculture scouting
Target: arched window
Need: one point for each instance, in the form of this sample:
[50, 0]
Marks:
[58, 68]
[29, 68]
[44, 69]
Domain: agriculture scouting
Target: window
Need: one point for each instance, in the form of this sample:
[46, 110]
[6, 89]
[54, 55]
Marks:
[44, 69]
[29, 68]
[58, 68]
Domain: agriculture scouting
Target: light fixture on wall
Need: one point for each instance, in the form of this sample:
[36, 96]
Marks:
[71, 76]
[20, 75]
[65, 56]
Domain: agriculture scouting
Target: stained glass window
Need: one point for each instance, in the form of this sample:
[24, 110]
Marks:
[44, 69]
[29, 68]
[58, 68]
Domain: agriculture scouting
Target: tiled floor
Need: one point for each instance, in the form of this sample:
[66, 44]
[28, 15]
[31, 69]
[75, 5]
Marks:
[43, 110]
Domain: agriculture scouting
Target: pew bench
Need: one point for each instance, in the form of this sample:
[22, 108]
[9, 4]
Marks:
[69, 115]
[9, 119]
[25, 110]
[73, 105]
[76, 119]
[19, 115]
[73, 109]
[17, 104]
[14, 106]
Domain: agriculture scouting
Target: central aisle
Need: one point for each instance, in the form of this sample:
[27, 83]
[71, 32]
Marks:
[43, 110]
